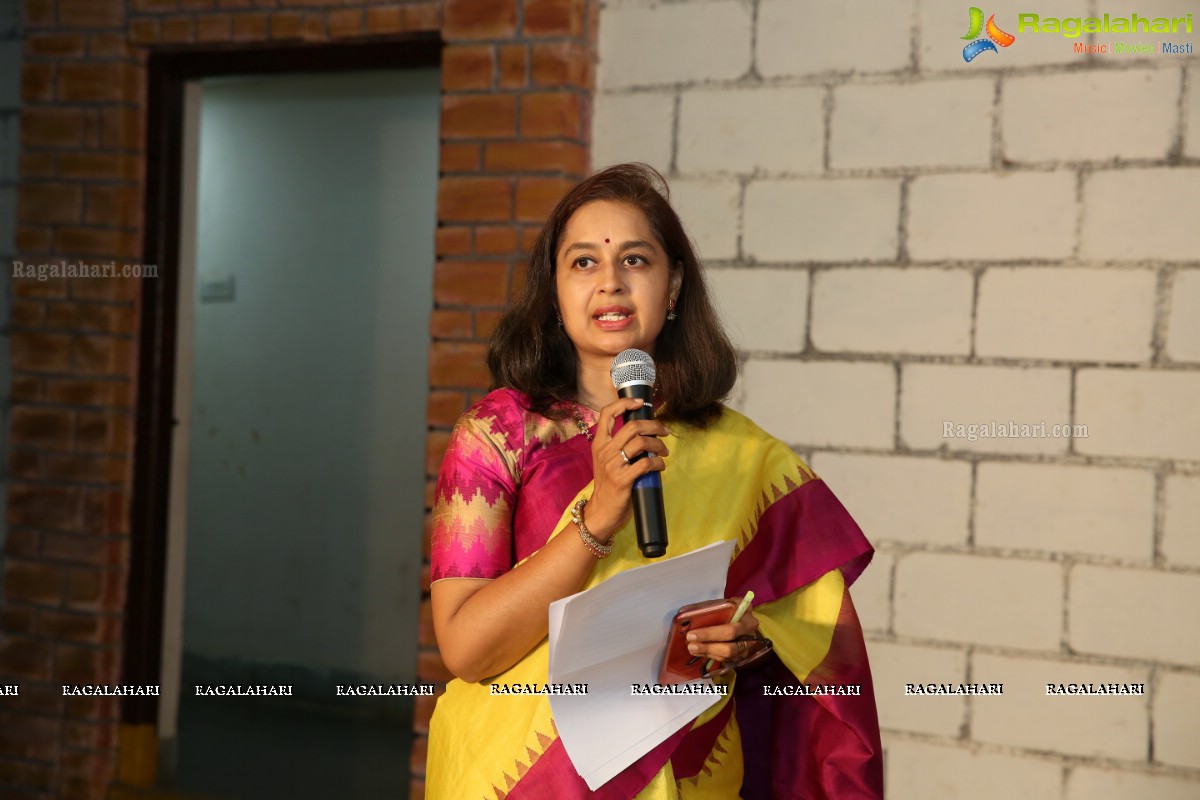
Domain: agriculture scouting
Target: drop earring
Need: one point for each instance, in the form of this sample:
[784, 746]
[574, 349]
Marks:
[671, 309]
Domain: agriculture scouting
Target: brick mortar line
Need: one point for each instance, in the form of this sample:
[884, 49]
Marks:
[77, 331]
[1184, 89]
[1068, 558]
[968, 718]
[1064, 639]
[997, 130]
[1182, 467]
[83, 301]
[1115, 164]
[673, 158]
[1081, 178]
[16, 602]
[1063, 658]
[1175, 152]
[955, 359]
[1072, 396]
[827, 109]
[810, 292]
[58, 483]
[82, 105]
[976, 281]
[1164, 288]
[897, 407]
[1068, 760]
[1151, 696]
[39, 452]
[752, 72]
[740, 239]
[972, 503]
[903, 257]
[903, 76]
[824, 266]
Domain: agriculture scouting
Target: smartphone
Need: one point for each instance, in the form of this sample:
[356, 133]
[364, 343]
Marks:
[678, 665]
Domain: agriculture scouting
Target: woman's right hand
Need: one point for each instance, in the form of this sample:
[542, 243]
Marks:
[610, 505]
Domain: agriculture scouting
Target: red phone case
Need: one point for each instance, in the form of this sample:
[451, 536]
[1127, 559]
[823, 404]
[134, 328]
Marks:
[680, 666]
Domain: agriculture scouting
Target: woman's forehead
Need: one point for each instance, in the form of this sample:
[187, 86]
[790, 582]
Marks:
[607, 221]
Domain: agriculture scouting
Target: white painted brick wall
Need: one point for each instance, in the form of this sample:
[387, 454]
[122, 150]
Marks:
[1066, 313]
[1115, 726]
[822, 403]
[821, 220]
[714, 136]
[894, 665]
[1138, 214]
[1090, 783]
[910, 500]
[1091, 510]
[851, 35]
[926, 771]
[873, 310]
[992, 217]
[1135, 613]
[1176, 722]
[944, 24]
[633, 127]
[709, 209]
[1183, 334]
[1044, 116]
[763, 309]
[1144, 413]
[867, 168]
[1013, 602]
[932, 123]
[1181, 526]
[873, 590]
[681, 42]
[934, 394]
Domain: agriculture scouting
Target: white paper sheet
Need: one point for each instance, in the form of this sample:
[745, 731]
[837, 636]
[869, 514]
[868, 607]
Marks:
[611, 637]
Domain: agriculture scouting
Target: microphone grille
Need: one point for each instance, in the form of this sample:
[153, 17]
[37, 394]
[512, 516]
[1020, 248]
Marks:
[632, 366]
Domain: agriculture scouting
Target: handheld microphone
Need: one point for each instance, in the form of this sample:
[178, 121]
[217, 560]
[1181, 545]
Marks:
[633, 374]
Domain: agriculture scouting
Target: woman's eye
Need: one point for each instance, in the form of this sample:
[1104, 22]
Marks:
[584, 262]
[634, 261]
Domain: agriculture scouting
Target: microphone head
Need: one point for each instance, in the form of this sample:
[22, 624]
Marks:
[632, 366]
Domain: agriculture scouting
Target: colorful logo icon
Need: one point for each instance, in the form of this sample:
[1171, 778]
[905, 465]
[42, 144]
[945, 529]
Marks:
[995, 36]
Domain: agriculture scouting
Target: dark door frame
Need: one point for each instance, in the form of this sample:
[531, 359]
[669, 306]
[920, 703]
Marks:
[168, 72]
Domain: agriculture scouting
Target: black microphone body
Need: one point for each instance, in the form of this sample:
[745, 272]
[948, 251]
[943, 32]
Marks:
[649, 515]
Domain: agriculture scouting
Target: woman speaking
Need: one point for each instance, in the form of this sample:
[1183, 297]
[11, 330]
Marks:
[534, 504]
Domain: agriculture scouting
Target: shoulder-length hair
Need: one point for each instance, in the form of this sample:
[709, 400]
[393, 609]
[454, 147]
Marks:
[530, 352]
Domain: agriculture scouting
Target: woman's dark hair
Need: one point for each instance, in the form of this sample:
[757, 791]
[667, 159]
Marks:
[696, 363]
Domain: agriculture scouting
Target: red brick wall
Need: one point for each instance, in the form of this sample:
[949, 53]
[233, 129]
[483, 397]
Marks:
[517, 81]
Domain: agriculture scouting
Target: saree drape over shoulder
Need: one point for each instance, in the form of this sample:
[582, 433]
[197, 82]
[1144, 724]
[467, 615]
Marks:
[507, 483]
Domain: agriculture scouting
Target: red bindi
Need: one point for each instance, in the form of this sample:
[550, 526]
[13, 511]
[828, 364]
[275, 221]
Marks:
[606, 241]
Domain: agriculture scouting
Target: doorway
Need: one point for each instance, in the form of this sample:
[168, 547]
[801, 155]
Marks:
[292, 552]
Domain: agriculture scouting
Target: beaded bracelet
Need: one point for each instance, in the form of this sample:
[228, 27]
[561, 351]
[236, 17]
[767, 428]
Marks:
[598, 550]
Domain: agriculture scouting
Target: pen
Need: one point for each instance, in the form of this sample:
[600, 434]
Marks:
[737, 616]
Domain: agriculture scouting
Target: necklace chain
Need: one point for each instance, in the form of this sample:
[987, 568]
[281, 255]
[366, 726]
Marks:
[583, 426]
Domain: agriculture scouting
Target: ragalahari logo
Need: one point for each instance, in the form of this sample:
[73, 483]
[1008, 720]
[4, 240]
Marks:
[995, 36]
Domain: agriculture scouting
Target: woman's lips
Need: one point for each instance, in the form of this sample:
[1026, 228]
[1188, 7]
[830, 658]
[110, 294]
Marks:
[613, 319]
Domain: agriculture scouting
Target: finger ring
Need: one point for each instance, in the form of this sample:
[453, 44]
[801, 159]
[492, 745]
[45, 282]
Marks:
[741, 648]
[624, 456]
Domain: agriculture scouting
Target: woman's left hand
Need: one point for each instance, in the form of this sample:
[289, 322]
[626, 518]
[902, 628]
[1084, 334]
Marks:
[720, 641]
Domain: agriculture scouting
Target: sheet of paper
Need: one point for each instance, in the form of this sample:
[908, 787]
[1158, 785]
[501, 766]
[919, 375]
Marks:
[612, 637]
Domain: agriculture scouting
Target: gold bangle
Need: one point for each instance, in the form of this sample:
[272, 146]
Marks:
[598, 549]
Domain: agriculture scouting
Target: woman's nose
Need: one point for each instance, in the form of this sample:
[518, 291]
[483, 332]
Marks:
[612, 278]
